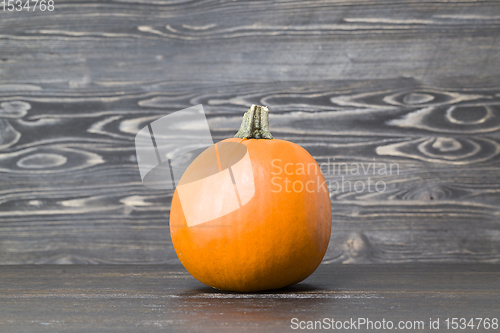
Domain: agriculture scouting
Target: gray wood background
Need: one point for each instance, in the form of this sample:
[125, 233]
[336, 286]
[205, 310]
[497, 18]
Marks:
[411, 82]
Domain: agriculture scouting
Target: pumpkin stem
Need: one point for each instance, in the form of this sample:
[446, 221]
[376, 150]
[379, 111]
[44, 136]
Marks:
[255, 124]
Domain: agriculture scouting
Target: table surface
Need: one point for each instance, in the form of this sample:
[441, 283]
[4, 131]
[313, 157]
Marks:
[147, 298]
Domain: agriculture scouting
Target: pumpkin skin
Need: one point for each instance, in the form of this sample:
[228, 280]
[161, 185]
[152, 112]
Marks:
[278, 238]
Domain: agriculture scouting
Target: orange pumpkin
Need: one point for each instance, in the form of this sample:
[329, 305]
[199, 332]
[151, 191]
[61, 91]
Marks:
[251, 213]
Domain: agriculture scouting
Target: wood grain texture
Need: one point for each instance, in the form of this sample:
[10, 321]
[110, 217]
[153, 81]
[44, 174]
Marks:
[412, 83]
[150, 298]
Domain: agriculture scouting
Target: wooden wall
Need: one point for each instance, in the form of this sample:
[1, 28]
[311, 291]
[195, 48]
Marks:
[411, 82]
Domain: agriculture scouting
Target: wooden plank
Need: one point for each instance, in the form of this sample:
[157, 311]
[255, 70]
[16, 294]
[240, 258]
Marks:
[409, 83]
[148, 298]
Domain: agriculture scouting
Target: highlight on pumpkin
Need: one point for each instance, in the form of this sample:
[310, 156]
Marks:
[223, 172]
[169, 145]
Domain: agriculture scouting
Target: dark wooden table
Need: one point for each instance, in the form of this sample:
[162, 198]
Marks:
[146, 298]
